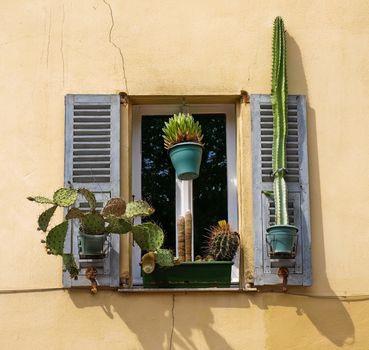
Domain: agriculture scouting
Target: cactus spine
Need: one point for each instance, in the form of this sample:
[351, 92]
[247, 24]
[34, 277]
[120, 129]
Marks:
[188, 236]
[181, 238]
[280, 119]
[223, 242]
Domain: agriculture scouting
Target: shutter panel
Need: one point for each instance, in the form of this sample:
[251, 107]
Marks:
[92, 161]
[298, 190]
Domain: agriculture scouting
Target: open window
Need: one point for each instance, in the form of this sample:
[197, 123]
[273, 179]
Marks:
[211, 197]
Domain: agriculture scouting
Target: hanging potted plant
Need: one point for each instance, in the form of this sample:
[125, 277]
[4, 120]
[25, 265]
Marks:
[282, 236]
[183, 139]
[214, 270]
[115, 218]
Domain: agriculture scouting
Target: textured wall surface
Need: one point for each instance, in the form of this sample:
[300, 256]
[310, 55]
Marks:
[163, 47]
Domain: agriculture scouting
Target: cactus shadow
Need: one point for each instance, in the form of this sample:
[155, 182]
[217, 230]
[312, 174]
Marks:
[328, 315]
[165, 320]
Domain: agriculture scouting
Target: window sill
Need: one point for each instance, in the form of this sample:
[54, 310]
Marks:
[139, 289]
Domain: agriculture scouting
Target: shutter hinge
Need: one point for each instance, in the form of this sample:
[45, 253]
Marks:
[245, 97]
[123, 99]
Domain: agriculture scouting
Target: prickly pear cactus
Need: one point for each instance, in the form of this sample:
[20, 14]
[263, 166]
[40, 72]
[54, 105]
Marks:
[55, 239]
[64, 197]
[74, 213]
[148, 262]
[114, 206]
[70, 265]
[148, 236]
[93, 224]
[89, 196]
[164, 257]
[119, 225]
[223, 242]
[45, 217]
[138, 208]
[40, 199]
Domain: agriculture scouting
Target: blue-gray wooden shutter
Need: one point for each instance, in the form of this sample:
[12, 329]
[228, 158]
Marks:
[92, 161]
[298, 190]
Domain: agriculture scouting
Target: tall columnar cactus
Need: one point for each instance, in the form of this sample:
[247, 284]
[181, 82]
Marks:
[280, 119]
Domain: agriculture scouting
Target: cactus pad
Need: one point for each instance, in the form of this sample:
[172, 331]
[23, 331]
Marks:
[45, 217]
[118, 225]
[74, 213]
[164, 257]
[40, 199]
[148, 262]
[114, 206]
[55, 239]
[93, 224]
[70, 265]
[64, 197]
[223, 242]
[89, 196]
[138, 208]
[148, 236]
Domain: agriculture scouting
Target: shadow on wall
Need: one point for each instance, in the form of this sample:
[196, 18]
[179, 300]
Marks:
[171, 321]
[328, 315]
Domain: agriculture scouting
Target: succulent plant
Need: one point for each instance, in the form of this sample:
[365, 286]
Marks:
[164, 257]
[148, 262]
[115, 217]
[279, 98]
[181, 128]
[93, 224]
[223, 242]
[138, 208]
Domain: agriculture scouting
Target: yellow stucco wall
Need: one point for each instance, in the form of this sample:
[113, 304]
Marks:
[163, 47]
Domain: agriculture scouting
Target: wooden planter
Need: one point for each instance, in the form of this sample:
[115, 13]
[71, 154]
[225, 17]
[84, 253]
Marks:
[190, 275]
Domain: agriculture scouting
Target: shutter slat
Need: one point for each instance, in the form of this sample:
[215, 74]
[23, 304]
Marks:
[92, 158]
[297, 184]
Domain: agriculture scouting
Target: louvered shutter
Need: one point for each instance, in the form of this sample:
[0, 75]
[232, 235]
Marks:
[92, 161]
[298, 190]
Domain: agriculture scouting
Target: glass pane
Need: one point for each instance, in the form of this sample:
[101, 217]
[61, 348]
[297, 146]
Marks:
[158, 177]
[210, 188]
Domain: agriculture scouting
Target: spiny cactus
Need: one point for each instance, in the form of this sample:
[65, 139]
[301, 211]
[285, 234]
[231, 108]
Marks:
[164, 257]
[40, 200]
[223, 242]
[138, 208]
[65, 197]
[114, 206]
[119, 225]
[74, 213]
[181, 238]
[93, 224]
[280, 121]
[148, 262]
[89, 196]
[45, 217]
[148, 236]
[188, 236]
[70, 265]
[55, 239]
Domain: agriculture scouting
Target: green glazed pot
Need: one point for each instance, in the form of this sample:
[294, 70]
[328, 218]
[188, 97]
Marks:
[186, 159]
[190, 275]
[91, 246]
[282, 239]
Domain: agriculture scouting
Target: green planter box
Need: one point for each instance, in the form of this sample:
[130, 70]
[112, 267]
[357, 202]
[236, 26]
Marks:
[190, 275]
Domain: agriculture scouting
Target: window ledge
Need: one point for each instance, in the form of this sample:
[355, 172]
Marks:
[232, 289]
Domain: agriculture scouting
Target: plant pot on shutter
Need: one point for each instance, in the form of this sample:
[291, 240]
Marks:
[183, 139]
[281, 237]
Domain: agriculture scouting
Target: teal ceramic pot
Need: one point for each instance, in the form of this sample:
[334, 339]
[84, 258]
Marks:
[186, 159]
[91, 246]
[282, 239]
